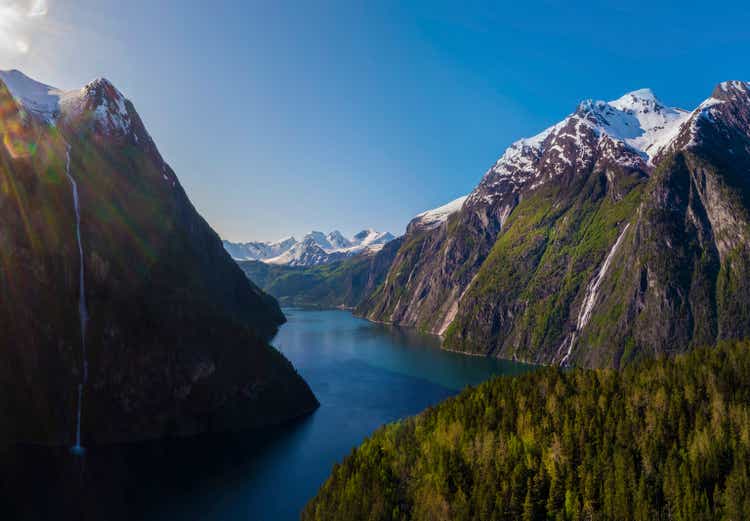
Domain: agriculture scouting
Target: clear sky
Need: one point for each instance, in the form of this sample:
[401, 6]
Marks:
[281, 117]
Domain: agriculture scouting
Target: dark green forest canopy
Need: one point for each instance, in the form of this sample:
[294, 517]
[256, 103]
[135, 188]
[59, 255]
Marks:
[662, 439]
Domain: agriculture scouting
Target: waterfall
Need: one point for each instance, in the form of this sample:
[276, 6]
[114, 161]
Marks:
[82, 310]
[592, 292]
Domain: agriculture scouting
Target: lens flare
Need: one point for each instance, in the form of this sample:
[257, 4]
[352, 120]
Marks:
[17, 24]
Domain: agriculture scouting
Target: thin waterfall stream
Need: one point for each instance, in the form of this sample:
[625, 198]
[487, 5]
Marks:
[592, 292]
[82, 310]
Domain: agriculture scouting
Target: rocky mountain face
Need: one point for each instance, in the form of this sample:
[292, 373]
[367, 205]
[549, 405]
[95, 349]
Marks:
[620, 232]
[116, 298]
[315, 248]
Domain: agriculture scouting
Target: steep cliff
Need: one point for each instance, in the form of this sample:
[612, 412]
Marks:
[344, 283]
[118, 302]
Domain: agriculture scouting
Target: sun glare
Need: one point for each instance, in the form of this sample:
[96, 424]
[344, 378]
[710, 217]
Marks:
[17, 24]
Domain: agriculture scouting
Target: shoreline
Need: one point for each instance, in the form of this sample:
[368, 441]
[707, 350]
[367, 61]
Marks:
[351, 309]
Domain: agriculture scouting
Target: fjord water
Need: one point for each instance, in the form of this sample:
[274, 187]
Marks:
[363, 374]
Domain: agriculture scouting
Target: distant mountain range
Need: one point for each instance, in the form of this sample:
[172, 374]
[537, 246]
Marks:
[314, 249]
[344, 280]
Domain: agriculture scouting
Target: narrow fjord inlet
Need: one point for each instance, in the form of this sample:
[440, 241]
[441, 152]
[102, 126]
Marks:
[364, 375]
[374, 261]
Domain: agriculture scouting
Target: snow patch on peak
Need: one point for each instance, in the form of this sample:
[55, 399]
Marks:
[314, 248]
[317, 237]
[435, 217]
[638, 119]
[106, 102]
[525, 146]
[48, 103]
[285, 240]
[305, 253]
[731, 90]
[99, 83]
[370, 238]
[636, 98]
[728, 86]
[337, 240]
[33, 96]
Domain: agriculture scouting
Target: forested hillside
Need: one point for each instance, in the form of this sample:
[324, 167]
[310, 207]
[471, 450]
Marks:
[665, 439]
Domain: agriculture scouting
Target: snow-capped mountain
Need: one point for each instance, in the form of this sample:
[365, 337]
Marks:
[100, 103]
[307, 252]
[629, 131]
[566, 251]
[258, 250]
[314, 248]
[371, 239]
[37, 98]
[337, 240]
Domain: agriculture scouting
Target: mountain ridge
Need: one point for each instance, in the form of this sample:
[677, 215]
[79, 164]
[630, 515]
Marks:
[314, 249]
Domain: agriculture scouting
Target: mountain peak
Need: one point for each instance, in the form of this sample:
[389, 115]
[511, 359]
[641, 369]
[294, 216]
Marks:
[363, 234]
[337, 239]
[100, 82]
[285, 240]
[638, 119]
[99, 96]
[314, 248]
[102, 88]
[107, 104]
[637, 97]
[729, 90]
[641, 101]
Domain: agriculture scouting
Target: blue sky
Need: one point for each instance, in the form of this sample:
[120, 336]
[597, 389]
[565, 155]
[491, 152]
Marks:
[281, 117]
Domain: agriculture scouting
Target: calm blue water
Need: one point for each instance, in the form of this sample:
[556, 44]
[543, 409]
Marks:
[363, 374]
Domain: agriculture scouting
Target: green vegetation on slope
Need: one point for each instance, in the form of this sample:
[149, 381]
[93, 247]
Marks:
[663, 439]
[329, 285]
[526, 294]
[342, 283]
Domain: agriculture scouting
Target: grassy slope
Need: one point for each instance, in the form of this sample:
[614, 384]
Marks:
[532, 283]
